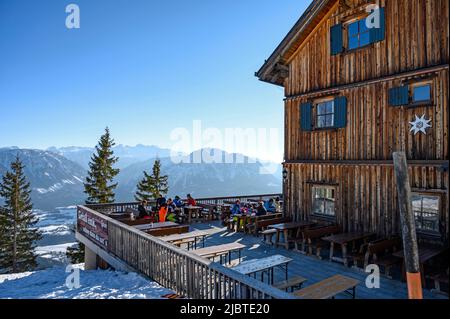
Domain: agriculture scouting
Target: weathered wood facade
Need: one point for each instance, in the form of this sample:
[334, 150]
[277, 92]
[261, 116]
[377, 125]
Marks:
[354, 158]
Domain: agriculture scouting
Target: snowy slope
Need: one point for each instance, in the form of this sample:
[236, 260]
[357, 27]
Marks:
[57, 234]
[51, 284]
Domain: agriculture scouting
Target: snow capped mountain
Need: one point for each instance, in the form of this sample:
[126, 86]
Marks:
[128, 154]
[58, 182]
[55, 180]
[196, 175]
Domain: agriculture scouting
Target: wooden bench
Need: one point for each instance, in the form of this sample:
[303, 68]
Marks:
[263, 224]
[312, 238]
[268, 235]
[292, 283]
[250, 226]
[189, 241]
[220, 250]
[380, 253]
[438, 280]
[329, 288]
[158, 232]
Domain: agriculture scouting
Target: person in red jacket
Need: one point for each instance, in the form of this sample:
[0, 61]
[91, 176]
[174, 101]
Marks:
[191, 201]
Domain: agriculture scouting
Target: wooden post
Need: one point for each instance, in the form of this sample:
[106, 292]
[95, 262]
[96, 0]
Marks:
[410, 248]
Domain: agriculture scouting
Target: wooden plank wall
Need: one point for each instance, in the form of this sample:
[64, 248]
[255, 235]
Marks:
[374, 129]
[417, 34]
[366, 194]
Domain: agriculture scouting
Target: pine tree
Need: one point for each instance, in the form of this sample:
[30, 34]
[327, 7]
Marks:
[98, 185]
[152, 186]
[18, 233]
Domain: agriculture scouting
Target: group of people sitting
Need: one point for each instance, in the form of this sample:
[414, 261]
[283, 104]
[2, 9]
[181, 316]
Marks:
[263, 208]
[271, 206]
[165, 209]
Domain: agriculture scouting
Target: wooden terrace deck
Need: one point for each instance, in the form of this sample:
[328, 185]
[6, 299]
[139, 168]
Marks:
[309, 267]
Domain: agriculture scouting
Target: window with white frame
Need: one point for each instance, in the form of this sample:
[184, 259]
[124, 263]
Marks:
[426, 210]
[325, 114]
[323, 201]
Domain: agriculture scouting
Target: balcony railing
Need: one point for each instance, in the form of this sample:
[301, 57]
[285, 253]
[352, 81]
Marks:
[180, 270]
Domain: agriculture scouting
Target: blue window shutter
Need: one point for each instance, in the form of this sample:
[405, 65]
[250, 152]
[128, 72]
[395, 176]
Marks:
[378, 34]
[336, 35]
[306, 116]
[340, 112]
[399, 96]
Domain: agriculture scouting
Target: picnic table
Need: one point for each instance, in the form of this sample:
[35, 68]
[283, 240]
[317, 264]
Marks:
[193, 210]
[343, 240]
[152, 226]
[210, 211]
[285, 228]
[426, 253]
[186, 237]
[329, 288]
[220, 251]
[263, 265]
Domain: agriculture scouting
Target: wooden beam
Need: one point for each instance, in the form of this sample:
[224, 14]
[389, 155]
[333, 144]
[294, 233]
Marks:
[337, 89]
[408, 226]
[425, 163]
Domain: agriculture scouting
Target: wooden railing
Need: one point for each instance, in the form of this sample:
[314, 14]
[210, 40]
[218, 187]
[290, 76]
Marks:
[177, 269]
[220, 200]
[121, 207]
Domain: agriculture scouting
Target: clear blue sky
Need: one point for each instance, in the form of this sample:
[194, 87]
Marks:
[140, 67]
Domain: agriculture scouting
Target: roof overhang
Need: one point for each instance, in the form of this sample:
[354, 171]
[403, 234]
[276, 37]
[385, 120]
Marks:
[275, 70]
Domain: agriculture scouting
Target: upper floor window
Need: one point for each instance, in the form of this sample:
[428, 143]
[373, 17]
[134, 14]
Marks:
[358, 34]
[352, 35]
[325, 114]
[421, 93]
[426, 210]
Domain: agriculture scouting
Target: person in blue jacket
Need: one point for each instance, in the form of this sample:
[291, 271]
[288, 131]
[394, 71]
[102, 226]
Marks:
[178, 202]
[270, 206]
[236, 209]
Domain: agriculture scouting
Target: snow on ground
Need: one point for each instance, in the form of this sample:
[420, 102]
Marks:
[98, 284]
[57, 253]
[57, 230]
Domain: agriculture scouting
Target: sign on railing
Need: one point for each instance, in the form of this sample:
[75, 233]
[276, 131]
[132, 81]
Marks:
[93, 227]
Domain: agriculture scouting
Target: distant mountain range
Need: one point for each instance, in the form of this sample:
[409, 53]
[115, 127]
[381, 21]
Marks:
[55, 180]
[57, 174]
[128, 154]
[204, 179]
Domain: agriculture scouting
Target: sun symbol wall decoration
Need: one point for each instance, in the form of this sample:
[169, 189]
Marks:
[420, 124]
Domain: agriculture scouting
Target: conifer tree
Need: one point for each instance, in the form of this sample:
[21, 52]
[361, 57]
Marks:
[154, 185]
[98, 185]
[18, 233]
